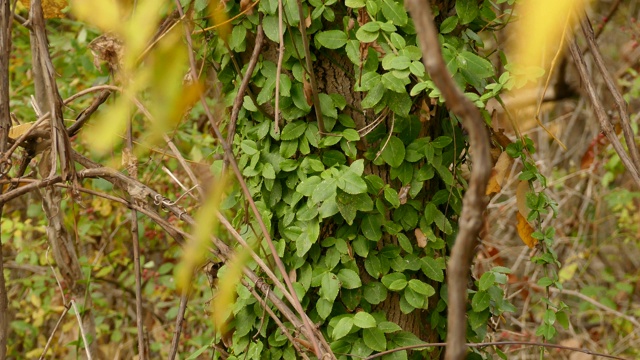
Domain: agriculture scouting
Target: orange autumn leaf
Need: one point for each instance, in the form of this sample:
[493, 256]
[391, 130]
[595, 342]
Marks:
[525, 230]
[421, 238]
[50, 8]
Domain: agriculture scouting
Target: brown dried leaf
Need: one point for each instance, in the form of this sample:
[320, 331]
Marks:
[245, 5]
[521, 198]
[308, 92]
[499, 173]
[107, 48]
[524, 231]
[420, 238]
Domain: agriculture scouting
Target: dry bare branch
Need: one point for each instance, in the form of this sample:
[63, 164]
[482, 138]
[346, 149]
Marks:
[474, 202]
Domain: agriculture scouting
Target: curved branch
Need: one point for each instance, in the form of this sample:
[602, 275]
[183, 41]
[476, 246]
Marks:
[474, 202]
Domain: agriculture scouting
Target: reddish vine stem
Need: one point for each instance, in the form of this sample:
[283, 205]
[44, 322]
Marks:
[234, 166]
[474, 202]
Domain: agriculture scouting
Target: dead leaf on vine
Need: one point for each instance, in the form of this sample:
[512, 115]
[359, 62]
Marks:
[524, 231]
[521, 198]
[420, 238]
[499, 173]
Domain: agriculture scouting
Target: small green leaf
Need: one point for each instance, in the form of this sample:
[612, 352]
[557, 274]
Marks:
[355, 4]
[388, 327]
[324, 307]
[330, 286]
[349, 278]
[332, 39]
[364, 320]
[293, 130]
[394, 151]
[467, 10]
[375, 293]
[395, 12]
[421, 288]
[342, 328]
[432, 269]
[308, 186]
[448, 25]
[375, 339]
[374, 96]
[486, 280]
[480, 301]
[371, 226]
[352, 183]
[395, 281]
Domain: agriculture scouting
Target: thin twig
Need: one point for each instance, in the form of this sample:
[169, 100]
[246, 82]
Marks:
[587, 30]
[84, 336]
[309, 69]
[53, 332]
[474, 202]
[601, 114]
[175, 341]
[244, 85]
[393, 122]
[84, 116]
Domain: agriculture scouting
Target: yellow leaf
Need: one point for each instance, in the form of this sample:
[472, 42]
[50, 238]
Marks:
[195, 251]
[524, 231]
[16, 131]
[105, 14]
[50, 8]
[220, 18]
[540, 29]
[228, 281]
[567, 272]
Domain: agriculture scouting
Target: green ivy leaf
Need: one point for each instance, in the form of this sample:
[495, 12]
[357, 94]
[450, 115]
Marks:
[308, 186]
[448, 25]
[349, 278]
[352, 183]
[393, 83]
[375, 339]
[374, 96]
[394, 12]
[432, 269]
[324, 307]
[364, 320]
[330, 286]
[388, 326]
[371, 227]
[393, 153]
[342, 328]
[293, 130]
[355, 4]
[486, 281]
[480, 301]
[324, 190]
[395, 281]
[375, 293]
[421, 287]
[467, 10]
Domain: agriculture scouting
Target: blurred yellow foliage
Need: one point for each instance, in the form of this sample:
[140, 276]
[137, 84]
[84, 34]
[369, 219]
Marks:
[50, 8]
